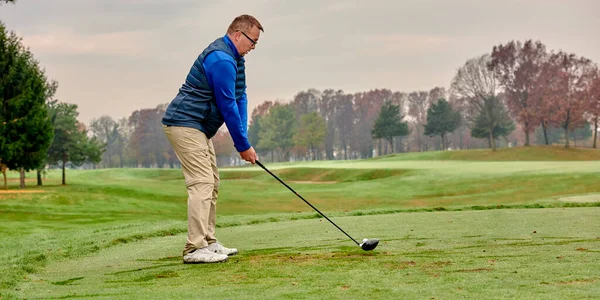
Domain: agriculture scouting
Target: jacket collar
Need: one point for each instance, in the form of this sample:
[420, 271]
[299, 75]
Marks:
[232, 46]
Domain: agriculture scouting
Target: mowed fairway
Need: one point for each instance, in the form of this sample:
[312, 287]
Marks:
[491, 226]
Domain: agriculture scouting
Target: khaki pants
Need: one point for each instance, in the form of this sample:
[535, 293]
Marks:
[198, 162]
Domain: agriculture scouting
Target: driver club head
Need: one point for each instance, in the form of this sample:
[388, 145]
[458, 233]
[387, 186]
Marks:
[369, 244]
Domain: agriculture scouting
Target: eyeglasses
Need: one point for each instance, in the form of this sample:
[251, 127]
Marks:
[250, 39]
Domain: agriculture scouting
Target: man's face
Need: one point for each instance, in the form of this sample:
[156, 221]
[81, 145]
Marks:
[247, 40]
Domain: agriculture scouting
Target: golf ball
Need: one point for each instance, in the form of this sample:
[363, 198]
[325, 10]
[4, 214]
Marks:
[365, 240]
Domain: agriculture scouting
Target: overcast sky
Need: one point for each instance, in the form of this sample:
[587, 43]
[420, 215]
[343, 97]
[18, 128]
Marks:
[112, 57]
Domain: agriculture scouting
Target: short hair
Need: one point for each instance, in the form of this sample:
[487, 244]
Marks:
[244, 23]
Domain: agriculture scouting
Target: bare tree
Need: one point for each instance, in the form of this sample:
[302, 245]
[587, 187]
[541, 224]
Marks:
[436, 94]
[125, 131]
[306, 102]
[477, 86]
[106, 130]
[401, 100]
[417, 109]
[366, 109]
[344, 118]
[327, 111]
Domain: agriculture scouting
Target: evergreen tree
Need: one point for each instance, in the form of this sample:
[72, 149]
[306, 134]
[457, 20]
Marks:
[441, 120]
[389, 124]
[25, 129]
[481, 129]
[492, 122]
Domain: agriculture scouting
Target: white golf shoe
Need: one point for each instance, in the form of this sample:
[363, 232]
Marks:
[203, 255]
[219, 249]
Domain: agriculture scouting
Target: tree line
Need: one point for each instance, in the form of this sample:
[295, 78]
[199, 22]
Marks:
[518, 94]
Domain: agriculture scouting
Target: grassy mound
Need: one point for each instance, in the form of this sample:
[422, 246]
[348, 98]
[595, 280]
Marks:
[533, 153]
[317, 174]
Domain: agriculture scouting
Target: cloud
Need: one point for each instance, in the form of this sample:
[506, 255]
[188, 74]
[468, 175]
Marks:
[66, 42]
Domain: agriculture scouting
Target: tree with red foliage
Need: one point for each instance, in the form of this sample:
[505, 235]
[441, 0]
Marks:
[518, 67]
[262, 109]
[543, 91]
[594, 101]
[569, 91]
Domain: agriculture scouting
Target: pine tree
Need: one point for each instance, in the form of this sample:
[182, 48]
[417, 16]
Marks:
[25, 129]
[441, 120]
[389, 124]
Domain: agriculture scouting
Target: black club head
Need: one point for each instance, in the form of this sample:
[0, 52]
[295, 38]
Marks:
[369, 244]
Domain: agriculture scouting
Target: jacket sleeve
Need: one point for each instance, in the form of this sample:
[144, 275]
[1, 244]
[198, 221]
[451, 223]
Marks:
[221, 76]
[242, 104]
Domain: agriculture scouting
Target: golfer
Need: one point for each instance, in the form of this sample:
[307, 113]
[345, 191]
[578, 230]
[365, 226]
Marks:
[214, 92]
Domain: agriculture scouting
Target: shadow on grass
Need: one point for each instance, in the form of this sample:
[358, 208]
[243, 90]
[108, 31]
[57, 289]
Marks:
[143, 269]
[68, 281]
[86, 296]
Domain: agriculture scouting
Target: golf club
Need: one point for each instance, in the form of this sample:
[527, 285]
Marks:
[367, 244]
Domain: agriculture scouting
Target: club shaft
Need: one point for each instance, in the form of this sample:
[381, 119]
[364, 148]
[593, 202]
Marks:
[287, 186]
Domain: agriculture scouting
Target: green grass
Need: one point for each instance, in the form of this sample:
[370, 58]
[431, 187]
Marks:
[472, 254]
[119, 232]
